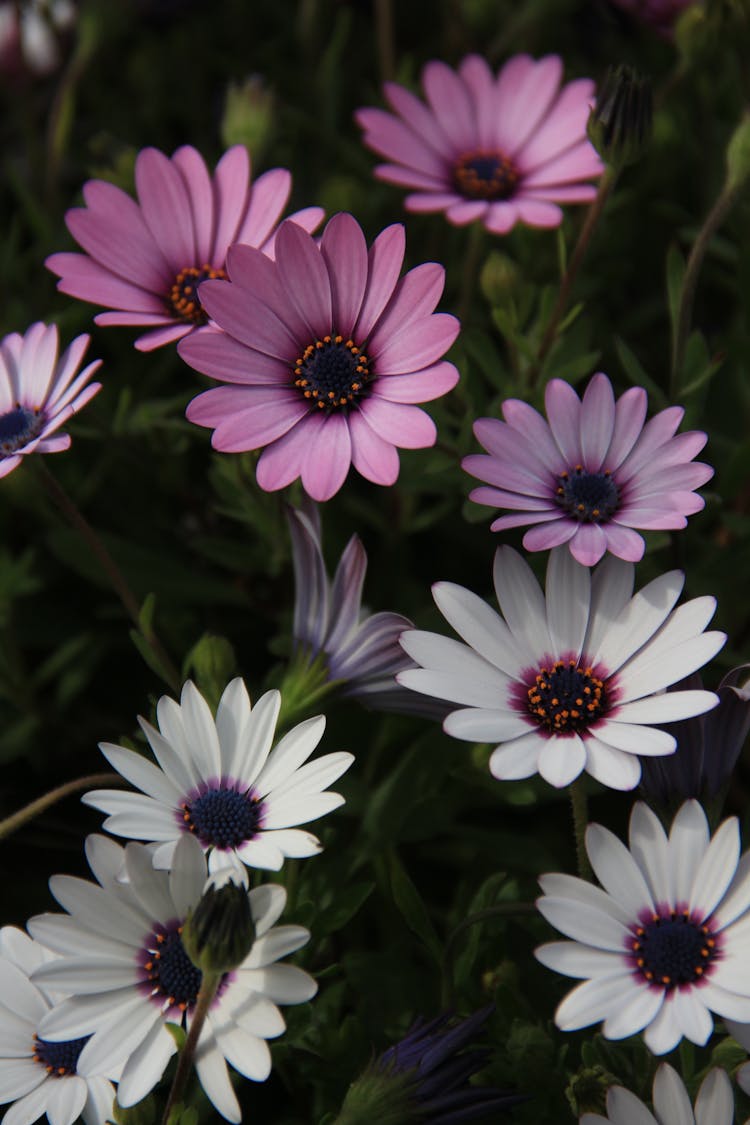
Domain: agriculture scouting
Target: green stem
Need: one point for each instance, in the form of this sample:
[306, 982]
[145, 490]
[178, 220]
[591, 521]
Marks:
[16, 820]
[109, 566]
[579, 805]
[63, 104]
[206, 993]
[593, 215]
[716, 216]
[384, 31]
[470, 270]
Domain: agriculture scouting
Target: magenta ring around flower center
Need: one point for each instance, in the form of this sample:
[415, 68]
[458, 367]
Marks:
[672, 948]
[565, 695]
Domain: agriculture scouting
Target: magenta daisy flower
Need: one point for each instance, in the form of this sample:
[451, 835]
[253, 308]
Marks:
[502, 149]
[39, 392]
[327, 351]
[146, 259]
[591, 473]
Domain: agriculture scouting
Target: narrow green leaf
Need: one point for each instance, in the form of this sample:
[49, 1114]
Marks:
[412, 908]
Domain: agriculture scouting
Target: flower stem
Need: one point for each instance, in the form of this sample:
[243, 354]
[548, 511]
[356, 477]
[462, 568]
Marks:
[470, 270]
[119, 584]
[593, 215]
[206, 993]
[16, 820]
[716, 216]
[579, 805]
[384, 29]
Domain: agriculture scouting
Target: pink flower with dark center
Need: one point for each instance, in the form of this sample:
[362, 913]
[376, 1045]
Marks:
[591, 472]
[327, 351]
[501, 149]
[39, 392]
[146, 259]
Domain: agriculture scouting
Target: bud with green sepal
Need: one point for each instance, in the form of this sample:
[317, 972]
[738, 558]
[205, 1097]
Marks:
[620, 124]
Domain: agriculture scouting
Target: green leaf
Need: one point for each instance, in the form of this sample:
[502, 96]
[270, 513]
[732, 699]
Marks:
[675, 279]
[346, 904]
[637, 374]
[412, 908]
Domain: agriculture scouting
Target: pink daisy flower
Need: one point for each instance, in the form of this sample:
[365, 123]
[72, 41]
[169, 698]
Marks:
[146, 259]
[502, 149]
[328, 351]
[39, 392]
[590, 473]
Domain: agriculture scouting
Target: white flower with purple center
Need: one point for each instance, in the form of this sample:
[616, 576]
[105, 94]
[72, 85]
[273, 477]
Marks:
[665, 940]
[40, 1076]
[714, 1104]
[219, 780]
[570, 682]
[126, 973]
[591, 472]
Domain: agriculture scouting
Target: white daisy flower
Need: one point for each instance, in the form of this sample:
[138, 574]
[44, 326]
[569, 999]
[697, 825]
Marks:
[713, 1106]
[126, 973]
[665, 941]
[570, 683]
[217, 780]
[39, 1076]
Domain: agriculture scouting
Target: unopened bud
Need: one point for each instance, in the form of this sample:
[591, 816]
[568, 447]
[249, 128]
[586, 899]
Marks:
[499, 279]
[738, 154]
[248, 114]
[619, 125]
[219, 933]
[587, 1090]
[142, 1113]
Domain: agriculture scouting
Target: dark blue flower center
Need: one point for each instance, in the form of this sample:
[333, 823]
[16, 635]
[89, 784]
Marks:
[566, 698]
[223, 817]
[485, 174]
[17, 427]
[171, 973]
[59, 1059]
[672, 949]
[183, 300]
[587, 497]
[332, 373]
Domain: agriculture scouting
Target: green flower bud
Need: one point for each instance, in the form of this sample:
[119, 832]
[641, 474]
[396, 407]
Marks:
[738, 154]
[379, 1096]
[143, 1113]
[212, 663]
[587, 1090]
[219, 933]
[619, 125]
[499, 279]
[248, 114]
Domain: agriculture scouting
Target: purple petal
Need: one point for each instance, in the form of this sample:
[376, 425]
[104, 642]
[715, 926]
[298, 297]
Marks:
[308, 218]
[268, 198]
[418, 345]
[578, 163]
[346, 592]
[597, 422]
[630, 414]
[159, 337]
[563, 126]
[345, 251]
[522, 106]
[280, 463]
[326, 457]
[231, 186]
[420, 386]
[521, 519]
[530, 424]
[467, 211]
[564, 193]
[480, 83]
[311, 603]
[417, 116]
[166, 207]
[564, 414]
[397, 141]
[548, 535]
[372, 456]
[243, 315]
[198, 185]
[269, 415]
[222, 357]
[256, 272]
[451, 106]
[429, 203]
[589, 544]
[118, 319]
[501, 217]
[415, 296]
[538, 213]
[624, 542]
[384, 261]
[400, 424]
[305, 277]
[510, 447]
[120, 242]
[82, 277]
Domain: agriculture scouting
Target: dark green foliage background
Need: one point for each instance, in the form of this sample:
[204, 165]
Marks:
[427, 838]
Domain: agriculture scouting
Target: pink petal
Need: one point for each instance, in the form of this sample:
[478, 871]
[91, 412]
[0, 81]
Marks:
[563, 126]
[409, 177]
[216, 354]
[397, 141]
[501, 217]
[384, 261]
[166, 207]
[418, 345]
[402, 425]
[624, 542]
[548, 535]
[569, 193]
[345, 251]
[122, 244]
[212, 407]
[243, 315]
[521, 108]
[536, 213]
[280, 463]
[519, 519]
[200, 192]
[271, 413]
[268, 198]
[530, 424]
[231, 185]
[577, 163]
[597, 422]
[327, 456]
[255, 271]
[588, 544]
[305, 277]
[512, 77]
[468, 211]
[650, 519]
[435, 201]
[415, 296]
[509, 446]
[372, 456]
[480, 82]
[630, 414]
[420, 386]
[508, 475]
[82, 277]
[37, 363]
[452, 106]
[564, 414]
[158, 337]
[417, 116]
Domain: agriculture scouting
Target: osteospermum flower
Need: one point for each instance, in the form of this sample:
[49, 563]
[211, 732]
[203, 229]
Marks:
[328, 351]
[501, 149]
[146, 259]
[39, 392]
[220, 781]
[713, 1106]
[591, 473]
[665, 941]
[126, 972]
[568, 683]
[37, 1075]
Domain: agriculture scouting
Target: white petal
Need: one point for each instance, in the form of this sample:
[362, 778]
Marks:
[262, 853]
[145, 1065]
[267, 904]
[637, 622]
[151, 887]
[141, 773]
[692, 1015]
[475, 681]
[624, 1108]
[725, 1003]
[285, 984]
[200, 732]
[294, 843]
[19, 994]
[671, 1100]
[688, 842]
[100, 1100]
[257, 737]
[611, 590]
[715, 1102]
[98, 910]
[636, 1011]
[617, 871]
[561, 759]
[650, 849]
[232, 714]
[188, 874]
[717, 868]
[287, 812]
[663, 1034]
[482, 628]
[247, 1053]
[19, 1077]
[737, 898]
[274, 945]
[85, 975]
[631, 739]
[516, 759]
[611, 767]
[311, 779]
[289, 753]
[174, 761]
[521, 601]
[30, 1107]
[118, 1037]
[575, 960]
[559, 885]
[648, 676]
[585, 923]
[67, 1097]
[214, 1078]
[568, 599]
[477, 724]
[666, 707]
[591, 1001]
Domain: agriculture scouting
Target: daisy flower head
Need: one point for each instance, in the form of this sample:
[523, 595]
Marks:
[326, 352]
[37, 1075]
[39, 392]
[126, 973]
[714, 1104]
[218, 780]
[568, 682]
[591, 472]
[146, 258]
[499, 149]
[664, 941]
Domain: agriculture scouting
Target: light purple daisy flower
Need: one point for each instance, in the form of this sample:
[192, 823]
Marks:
[591, 473]
[39, 392]
[146, 259]
[327, 351]
[501, 149]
